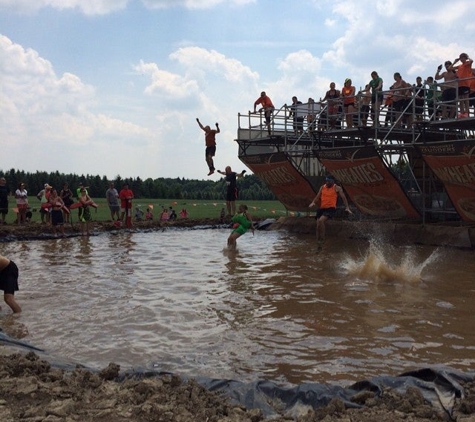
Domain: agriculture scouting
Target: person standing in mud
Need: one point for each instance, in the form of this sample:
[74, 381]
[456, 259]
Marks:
[231, 189]
[210, 141]
[9, 283]
[327, 198]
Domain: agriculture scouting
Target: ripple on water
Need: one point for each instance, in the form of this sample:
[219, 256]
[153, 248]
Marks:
[173, 300]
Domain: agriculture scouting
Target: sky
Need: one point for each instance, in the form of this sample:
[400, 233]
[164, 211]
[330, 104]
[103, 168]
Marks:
[114, 87]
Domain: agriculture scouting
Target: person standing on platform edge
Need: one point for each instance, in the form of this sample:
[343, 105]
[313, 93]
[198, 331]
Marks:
[210, 140]
[267, 107]
[9, 282]
[327, 196]
[231, 190]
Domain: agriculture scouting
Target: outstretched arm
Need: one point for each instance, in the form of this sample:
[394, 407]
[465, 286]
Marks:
[217, 128]
[316, 199]
[199, 123]
[345, 201]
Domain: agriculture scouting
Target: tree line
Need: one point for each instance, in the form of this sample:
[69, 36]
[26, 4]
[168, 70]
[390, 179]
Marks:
[250, 186]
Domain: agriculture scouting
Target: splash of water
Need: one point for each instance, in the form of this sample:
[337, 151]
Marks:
[383, 263]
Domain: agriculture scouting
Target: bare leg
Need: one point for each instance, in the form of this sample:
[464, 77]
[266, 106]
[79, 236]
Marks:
[228, 207]
[233, 207]
[320, 233]
[232, 241]
[11, 302]
[209, 161]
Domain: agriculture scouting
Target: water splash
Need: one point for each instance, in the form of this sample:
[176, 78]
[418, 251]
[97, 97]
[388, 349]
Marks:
[383, 263]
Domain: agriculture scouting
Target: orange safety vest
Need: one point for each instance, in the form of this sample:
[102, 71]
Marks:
[328, 197]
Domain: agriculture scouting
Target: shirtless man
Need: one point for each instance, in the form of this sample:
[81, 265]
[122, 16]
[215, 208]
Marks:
[9, 282]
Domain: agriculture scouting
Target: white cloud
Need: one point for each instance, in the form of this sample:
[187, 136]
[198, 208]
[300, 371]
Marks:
[42, 114]
[102, 7]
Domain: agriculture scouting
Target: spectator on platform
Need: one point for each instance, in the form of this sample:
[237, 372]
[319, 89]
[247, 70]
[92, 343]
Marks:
[449, 89]
[267, 107]
[376, 88]
[432, 98]
[401, 101]
[419, 98]
[348, 94]
[464, 74]
[296, 117]
[332, 97]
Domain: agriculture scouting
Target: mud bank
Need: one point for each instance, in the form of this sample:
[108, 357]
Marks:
[455, 236]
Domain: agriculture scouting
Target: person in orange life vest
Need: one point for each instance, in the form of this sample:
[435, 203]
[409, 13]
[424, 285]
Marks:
[328, 196]
[267, 107]
[210, 140]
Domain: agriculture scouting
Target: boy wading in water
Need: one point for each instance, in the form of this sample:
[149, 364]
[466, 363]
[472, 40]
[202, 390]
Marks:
[327, 196]
[242, 222]
[9, 282]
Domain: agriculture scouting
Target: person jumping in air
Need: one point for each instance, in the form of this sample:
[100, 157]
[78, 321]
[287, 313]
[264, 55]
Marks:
[210, 141]
[9, 282]
[327, 196]
[242, 222]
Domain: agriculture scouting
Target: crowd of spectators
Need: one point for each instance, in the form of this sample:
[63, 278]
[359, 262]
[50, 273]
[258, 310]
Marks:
[448, 94]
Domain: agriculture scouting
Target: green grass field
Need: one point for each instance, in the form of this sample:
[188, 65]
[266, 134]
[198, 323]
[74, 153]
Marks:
[196, 209]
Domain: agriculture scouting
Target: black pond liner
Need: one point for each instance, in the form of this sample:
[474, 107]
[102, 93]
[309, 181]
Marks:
[439, 385]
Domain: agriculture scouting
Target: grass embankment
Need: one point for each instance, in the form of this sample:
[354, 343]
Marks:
[197, 209]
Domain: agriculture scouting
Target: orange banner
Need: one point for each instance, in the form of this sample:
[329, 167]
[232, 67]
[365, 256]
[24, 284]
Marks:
[368, 182]
[454, 165]
[282, 178]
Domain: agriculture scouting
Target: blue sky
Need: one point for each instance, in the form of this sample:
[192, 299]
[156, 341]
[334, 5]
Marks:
[113, 87]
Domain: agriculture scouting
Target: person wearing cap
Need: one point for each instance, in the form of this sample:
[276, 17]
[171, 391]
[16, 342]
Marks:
[327, 197]
[82, 185]
[267, 107]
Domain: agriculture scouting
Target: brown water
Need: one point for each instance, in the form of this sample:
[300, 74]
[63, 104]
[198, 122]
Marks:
[276, 310]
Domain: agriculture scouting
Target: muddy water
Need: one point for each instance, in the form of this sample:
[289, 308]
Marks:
[175, 301]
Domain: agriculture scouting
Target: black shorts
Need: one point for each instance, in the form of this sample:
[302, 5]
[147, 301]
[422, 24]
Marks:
[9, 279]
[464, 90]
[210, 151]
[57, 217]
[327, 212]
[231, 194]
[448, 94]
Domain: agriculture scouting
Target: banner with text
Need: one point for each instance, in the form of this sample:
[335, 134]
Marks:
[368, 182]
[454, 164]
[283, 179]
